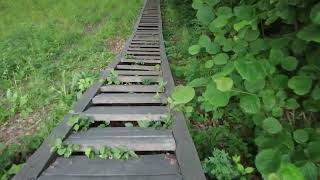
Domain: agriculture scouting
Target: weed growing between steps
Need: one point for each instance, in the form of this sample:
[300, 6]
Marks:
[50, 53]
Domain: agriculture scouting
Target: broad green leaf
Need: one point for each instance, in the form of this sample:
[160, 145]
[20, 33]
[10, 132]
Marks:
[250, 70]
[227, 45]
[213, 48]
[205, 14]
[268, 98]
[204, 41]
[289, 63]
[279, 81]
[310, 171]
[300, 84]
[258, 45]
[313, 150]
[316, 93]
[250, 104]
[268, 161]
[224, 83]
[272, 125]
[238, 26]
[221, 58]
[194, 49]
[292, 104]
[198, 82]
[196, 4]
[251, 35]
[300, 136]
[290, 172]
[310, 33]
[311, 105]
[277, 111]
[182, 94]
[215, 97]
[212, 2]
[276, 56]
[254, 86]
[315, 14]
[224, 11]
[209, 64]
[244, 12]
[218, 22]
[298, 46]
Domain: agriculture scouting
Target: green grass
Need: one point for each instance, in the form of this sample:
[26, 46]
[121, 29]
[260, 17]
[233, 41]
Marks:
[46, 47]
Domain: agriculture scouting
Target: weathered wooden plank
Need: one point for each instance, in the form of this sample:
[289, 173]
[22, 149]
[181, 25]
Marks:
[127, 113]
[143, 46]
[140, 73]
[137, 139]
[131, 88]
[82, 166]
[137, 67]
[139, 79]
[129, 98]
[142, 61]
[134, 177]
[145, 53]
[145, 57]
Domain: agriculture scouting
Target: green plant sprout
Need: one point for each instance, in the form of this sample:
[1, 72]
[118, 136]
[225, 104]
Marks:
[79, 123]
[113, 78]
[243, 171]
[63, 149]
[147, 81]
[157, 67]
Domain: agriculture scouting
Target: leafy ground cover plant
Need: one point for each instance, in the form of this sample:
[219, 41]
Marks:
[259, 58]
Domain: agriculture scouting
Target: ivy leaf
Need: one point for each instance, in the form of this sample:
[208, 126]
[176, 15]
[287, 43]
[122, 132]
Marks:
[215, 97]
[268, 98]
[315, 14]
[289, 63]
[221, 58]
[268, 161]
[212, 2]
[300, 84]
[204, 41]
[258, 45]
[250, 104]
[300, 136]
[225, 12]
[209, 64]
[196, 4]
[182, 94]
[310, 171]
[224, 83]
[194, 49]
[238, 26]
[310, 33]
[251, 35]
[272, 125]
[205, 14]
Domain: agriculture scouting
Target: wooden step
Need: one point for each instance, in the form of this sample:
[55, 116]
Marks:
[139, 73]
[129, 98]
[144, 49]
[138, 79]
[137, 67]
[142, 61]
[147, 167]
[131, 88]
[127, 113]
[136, 139]
[146, 53]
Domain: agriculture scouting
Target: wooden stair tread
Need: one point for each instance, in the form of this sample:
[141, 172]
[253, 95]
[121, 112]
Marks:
[129, 98]
[127, 113]
[81, 166]
[137, 139]
[131, 88]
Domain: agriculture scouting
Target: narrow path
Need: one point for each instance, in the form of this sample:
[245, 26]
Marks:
[146, 83]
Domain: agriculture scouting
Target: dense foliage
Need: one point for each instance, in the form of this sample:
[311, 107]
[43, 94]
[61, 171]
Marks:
[50, 52]
[256, 74]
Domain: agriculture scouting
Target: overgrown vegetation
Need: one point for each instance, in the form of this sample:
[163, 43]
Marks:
[253, 66]
[50, 52]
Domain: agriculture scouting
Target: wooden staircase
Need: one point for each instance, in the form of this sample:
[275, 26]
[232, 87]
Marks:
[164, 154]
